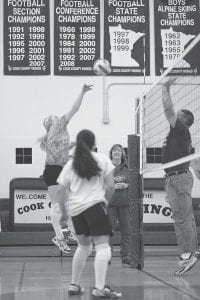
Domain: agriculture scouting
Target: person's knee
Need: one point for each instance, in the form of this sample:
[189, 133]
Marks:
[177, 218]
[125, 230]
[103, 252]
[86, 250]
[181, 218]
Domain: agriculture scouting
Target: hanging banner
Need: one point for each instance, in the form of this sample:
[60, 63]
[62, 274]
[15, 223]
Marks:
[126, 36]
[177, 22]
[76, 36]
[156, 208]
[33, 207]
[26, 37]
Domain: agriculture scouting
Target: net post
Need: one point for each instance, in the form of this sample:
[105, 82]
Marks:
[135, 203]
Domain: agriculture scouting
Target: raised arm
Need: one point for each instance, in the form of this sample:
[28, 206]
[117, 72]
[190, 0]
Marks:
[77, 103]
[167, 102]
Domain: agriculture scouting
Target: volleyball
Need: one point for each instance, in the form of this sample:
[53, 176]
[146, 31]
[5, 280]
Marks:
[102, 67]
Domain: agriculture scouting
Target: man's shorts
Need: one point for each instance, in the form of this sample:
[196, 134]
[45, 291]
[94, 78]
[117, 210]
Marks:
[94, 221]
[51, 173]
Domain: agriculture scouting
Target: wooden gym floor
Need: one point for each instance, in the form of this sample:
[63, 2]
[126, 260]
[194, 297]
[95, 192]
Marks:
[40, 273]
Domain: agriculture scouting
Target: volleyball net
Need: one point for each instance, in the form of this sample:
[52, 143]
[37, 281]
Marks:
[152, 128]
[185, 94]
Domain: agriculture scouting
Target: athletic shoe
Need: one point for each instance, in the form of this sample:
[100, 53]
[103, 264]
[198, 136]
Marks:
[75, 289]
[106, 293]
[66, 229]
[68, 234]
[61, 244]
[197, 254]
[185, 264]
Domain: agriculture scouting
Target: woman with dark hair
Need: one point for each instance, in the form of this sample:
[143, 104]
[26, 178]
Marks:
[88, 180]
[56, 144]
[119, 203]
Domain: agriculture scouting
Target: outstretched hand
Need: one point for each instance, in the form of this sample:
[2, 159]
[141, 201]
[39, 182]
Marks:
[87, 87]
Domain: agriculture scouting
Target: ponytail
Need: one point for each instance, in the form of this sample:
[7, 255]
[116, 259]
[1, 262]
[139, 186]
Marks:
[83, 163]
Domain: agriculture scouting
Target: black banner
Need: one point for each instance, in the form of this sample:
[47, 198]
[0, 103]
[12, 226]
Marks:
[177, 22]
[76, 36]
[26, 37]
[126, 39]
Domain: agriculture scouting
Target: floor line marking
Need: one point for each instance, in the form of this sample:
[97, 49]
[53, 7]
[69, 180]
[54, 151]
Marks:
[170, 285]
[21, 277]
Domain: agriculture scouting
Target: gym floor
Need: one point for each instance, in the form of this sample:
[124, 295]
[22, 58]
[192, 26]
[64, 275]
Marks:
[40, 273]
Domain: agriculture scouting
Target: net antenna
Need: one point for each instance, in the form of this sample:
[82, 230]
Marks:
[144, 56]
[185, 94]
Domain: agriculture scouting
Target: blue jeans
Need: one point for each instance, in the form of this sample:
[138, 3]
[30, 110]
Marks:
[178, 189]
[122, 214]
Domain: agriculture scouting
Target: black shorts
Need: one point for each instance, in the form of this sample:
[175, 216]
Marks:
[51, 173]
[94, 221]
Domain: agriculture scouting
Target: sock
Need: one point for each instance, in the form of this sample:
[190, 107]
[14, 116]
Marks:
[103, 255]
[78, 263]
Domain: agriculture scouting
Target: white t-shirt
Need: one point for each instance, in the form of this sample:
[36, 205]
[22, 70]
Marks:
[85, 193]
